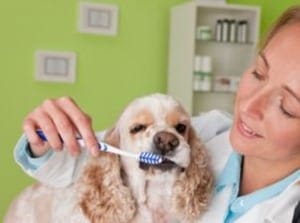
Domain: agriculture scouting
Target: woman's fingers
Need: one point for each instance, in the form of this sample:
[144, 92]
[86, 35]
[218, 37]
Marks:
[82, 122]
[64, 127]
[29, 128]
[38, 147]
[61, 120]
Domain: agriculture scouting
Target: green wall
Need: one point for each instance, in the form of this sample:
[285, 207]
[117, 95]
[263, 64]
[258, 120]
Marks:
[111, 71]
[270, 9]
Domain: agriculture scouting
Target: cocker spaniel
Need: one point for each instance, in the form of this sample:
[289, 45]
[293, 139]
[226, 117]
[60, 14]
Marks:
[114, 189]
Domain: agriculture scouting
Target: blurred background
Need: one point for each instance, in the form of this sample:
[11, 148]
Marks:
[111, 70]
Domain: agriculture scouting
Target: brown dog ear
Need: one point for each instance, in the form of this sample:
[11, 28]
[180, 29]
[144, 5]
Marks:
[112, 137]
[193, 188]
[101, 189]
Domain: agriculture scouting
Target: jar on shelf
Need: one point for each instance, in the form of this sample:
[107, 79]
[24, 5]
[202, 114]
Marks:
[203, 33]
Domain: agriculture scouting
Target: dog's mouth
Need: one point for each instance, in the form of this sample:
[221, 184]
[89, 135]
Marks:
[165, 165]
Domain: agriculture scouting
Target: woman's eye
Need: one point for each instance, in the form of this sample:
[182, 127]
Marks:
[285, 112]
[257, 75]
[137, 128]
[180, 128]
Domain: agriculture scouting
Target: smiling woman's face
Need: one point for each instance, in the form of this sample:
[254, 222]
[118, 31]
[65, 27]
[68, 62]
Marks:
[267, 106]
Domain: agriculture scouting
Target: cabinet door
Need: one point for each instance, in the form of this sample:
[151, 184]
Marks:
[181, 53]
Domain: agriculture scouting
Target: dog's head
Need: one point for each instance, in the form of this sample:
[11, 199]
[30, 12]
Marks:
[158, 124]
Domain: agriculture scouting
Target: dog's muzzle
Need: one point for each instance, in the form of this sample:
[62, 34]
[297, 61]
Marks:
[164, 143]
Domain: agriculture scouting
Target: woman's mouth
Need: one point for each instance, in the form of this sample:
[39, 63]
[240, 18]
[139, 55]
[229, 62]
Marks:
[245, 130]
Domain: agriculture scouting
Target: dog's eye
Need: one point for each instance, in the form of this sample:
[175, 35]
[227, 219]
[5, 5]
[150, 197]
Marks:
[137, 128]
[180, 128]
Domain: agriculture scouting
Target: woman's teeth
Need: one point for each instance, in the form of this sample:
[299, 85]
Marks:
[247, 130]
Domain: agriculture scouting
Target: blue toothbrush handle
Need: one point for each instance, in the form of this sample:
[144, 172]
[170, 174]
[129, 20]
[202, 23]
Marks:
[41, 135]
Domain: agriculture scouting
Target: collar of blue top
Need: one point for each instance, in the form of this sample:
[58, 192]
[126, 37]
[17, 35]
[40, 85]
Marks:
[230, 177]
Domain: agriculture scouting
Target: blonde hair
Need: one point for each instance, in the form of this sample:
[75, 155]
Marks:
[289, 16]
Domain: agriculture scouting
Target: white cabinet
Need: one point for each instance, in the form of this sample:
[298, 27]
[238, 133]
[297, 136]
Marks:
[229, 59]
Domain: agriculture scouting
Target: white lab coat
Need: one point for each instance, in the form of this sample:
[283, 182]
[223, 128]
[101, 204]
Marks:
[61, 170]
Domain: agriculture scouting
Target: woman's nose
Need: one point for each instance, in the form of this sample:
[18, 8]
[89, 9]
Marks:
[255, 104]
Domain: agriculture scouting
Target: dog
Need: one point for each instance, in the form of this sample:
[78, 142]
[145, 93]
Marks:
[117, 189]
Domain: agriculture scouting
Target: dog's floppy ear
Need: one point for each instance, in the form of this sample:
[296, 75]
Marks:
[112, 137]
[193, 189]
[103, 195]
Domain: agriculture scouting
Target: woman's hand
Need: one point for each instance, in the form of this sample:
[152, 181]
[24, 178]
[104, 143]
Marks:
[59, 119]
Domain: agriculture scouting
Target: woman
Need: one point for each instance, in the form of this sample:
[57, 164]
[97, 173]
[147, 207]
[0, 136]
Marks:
[255, 156]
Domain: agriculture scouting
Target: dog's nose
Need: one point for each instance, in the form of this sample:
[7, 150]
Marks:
[165, 142]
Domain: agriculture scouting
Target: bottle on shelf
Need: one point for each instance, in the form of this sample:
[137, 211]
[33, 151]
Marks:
[202, 73]
[197, 73]
[232, 30]
[225, 30]
[206, 73]
[218, 30]
[242, 31]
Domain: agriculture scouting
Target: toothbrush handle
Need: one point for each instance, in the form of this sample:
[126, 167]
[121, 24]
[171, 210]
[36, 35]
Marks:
[102, 146]
[145, 157]
[41, 135]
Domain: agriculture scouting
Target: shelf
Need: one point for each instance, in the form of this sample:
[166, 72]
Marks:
[210, 101]
[214, 92]
[225, 43]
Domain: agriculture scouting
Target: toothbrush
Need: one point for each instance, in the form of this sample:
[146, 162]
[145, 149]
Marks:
[145, 157]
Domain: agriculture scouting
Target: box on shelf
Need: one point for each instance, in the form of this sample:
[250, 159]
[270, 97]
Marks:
[225, 83]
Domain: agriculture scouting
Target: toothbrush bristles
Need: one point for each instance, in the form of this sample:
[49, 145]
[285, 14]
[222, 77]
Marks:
[150, 158]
